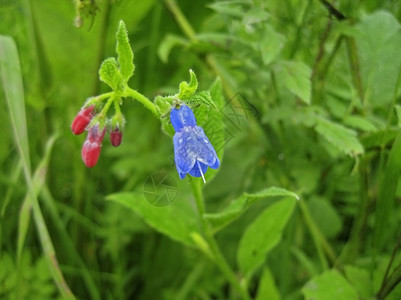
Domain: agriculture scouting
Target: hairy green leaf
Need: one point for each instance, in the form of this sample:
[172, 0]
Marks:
[186, 89]
[124, 51]
[177, 221]
[110, 74]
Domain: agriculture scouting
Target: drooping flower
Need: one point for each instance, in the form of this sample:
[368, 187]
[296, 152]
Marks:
[92, 146]
[115, 137]
[193, 151]
[82, 119]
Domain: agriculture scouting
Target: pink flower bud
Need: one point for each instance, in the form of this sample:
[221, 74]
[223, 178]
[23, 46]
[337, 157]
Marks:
[82, 120]
[90, 153]
[92, 146]
[115, 137]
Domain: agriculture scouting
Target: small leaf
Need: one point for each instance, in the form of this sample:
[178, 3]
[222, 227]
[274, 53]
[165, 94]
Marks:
[177, 221]
[330, 285]
[263, 234]
[201, 98]
[124, 51]
[360, 123]
[360, 280]
[186, 89]
[296, 78]
[238, 206]
[342, 138]
[110, 74]
[167, 44]
[267, 287]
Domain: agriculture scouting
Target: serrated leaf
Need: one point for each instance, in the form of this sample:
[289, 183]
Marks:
[177, 221]
[330, 285]
[263, 234]
[238, 206]
[124, 51]
[167, 44]
[359, 123]
[344, 139]
[296, 78]
[110, 74]
[186, 89]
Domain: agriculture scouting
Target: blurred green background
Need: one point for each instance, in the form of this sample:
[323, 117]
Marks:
[321, 85]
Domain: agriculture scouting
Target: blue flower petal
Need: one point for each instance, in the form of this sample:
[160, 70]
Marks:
[182, 117]
[193, 151]
[195, 172]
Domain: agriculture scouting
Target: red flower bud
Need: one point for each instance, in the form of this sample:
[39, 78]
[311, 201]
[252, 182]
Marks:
[82, 120]
[90, 153]
[92, 146]
[115, 137]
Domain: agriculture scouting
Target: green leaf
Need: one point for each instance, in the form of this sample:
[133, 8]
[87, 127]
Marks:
[359, 123]
[325, 216]
[342, 138]
[14, 91]
[263, 234]
[296, 78]
[124, 51]
[330, 285]
[110, 74]
[177, 221]
[360, 280]
[397, 108]
[167, 44]
[378, 41]
[186, 89]
[238, 206]
[267, 287]
[201, 98]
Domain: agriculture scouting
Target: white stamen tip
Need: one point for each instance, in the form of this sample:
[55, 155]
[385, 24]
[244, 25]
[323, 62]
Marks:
[200, 169]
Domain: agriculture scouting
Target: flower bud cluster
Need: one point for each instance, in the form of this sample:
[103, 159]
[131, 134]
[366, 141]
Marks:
[96, 126]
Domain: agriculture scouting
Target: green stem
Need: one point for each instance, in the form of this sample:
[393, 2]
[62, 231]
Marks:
[218, 257]
[141, 98]
[181, 19]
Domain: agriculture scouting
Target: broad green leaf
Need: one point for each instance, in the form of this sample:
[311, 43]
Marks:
[378, 41]
[238, 206]
[110, 74]
[342, 138]
[263, 234]
[267, 287]
[186, 89]
[330, 285]
[296, 78]
[360, 280]
[124, 51]
[167, 44]
[177, 221]
[388, 183]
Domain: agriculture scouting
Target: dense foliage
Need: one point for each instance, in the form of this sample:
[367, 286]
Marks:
[299, 98]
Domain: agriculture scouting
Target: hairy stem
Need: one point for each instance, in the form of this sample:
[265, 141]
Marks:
[141, 98]
[218, 257]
